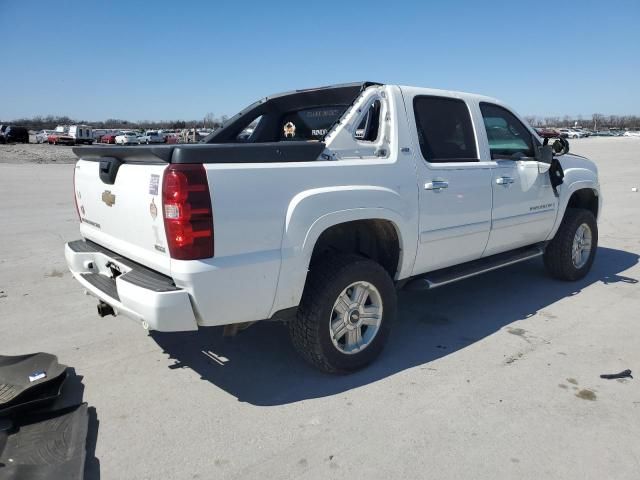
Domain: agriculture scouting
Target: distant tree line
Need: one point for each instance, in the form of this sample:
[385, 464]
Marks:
[51, 121]
[596, 121]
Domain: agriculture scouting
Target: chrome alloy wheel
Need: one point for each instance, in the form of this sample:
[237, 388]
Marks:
[581, 248]
[355, 318]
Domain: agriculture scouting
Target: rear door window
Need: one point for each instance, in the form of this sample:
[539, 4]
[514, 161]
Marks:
[445, 131]
[310, 123]
[508, 137]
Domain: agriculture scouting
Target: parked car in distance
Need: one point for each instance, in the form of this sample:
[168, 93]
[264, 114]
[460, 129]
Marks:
[82, 134]
[58, 137]
[127, 138]
[43, 135]
[98, 134]
[14, 134]
[548, 132]
[108, 138]
[570, 133]
[632, 133]
[151, 136]
[170, 138]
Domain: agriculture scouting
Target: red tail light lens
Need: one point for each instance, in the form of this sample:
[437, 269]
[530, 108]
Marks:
[186, 207]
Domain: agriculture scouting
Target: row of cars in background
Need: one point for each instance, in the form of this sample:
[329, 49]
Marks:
[86, 135]
[66, 135]
[131, 137]
[578, 132]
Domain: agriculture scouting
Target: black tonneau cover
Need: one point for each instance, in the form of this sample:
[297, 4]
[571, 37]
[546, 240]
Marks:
[208, 153]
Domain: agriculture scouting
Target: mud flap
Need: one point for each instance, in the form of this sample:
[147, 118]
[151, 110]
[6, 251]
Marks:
[44, 445]
[556, 175]
[29, 381]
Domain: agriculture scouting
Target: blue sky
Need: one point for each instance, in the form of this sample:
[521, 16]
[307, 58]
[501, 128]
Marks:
[180, 60]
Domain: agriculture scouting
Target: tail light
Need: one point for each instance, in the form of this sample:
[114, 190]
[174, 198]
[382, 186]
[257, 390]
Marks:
[186, 206]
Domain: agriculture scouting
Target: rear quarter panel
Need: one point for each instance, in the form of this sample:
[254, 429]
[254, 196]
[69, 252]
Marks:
[268, 216]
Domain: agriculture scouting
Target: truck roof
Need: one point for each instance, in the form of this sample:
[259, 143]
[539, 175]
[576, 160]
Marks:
[450, 93]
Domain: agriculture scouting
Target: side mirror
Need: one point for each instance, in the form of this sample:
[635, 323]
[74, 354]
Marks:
[544, 154]
[560, 146]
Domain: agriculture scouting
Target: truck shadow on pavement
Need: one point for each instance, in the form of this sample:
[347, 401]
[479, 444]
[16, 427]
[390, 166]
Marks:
[260, 367]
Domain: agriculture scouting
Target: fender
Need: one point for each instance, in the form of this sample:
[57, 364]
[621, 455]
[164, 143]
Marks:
[313, 211]
[568, 189]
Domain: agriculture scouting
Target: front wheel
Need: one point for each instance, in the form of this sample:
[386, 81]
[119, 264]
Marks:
[344, 318]
[570, 254]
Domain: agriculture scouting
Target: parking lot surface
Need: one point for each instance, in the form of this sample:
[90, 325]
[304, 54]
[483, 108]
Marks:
[492, 377]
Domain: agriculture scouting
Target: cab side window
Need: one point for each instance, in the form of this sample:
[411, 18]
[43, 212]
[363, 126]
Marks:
[508, 137]
[445, 132]
[368, 129]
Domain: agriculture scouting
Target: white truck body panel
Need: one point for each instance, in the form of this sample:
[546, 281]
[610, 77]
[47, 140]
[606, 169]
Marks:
[268, 216]
[128, 224]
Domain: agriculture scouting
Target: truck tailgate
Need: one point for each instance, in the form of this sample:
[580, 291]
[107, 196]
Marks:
[122, 210]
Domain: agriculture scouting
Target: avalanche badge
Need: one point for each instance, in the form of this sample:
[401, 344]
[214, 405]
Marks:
[108, 198]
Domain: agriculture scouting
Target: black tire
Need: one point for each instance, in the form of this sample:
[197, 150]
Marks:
[558, 254]
[310, 332]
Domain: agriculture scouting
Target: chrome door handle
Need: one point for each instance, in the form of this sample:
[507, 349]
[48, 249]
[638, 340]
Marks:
[504, 180]
[436, 185]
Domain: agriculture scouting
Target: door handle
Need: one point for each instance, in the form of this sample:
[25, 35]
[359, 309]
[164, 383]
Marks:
[504, 180]
[436, 185]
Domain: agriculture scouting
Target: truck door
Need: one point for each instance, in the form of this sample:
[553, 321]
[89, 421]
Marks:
[454, 185]
[524, 204]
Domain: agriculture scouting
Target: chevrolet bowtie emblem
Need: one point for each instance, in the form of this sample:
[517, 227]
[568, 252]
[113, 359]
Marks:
[108, 198]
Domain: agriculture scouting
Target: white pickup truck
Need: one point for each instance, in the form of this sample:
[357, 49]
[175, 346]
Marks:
[339, 196]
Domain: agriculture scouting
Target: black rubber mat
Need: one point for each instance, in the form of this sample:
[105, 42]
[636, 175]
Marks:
[49, 445]
[38, 397]
[22, 374]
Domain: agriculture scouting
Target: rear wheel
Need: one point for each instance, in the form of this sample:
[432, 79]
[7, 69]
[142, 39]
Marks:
[570, 254]
[347, 309]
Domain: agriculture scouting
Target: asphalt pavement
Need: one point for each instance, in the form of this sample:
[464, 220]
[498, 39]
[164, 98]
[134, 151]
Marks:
[494, 377]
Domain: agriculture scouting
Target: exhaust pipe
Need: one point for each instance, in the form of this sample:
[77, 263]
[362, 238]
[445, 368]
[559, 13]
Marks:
[105, 309]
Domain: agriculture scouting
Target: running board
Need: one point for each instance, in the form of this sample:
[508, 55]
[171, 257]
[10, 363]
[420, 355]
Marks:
[441, 277]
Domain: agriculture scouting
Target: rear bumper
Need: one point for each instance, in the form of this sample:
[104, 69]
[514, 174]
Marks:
[137, 292]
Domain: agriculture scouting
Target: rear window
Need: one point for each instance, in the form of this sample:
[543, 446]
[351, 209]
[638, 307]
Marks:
[445, 131]
[310, 123]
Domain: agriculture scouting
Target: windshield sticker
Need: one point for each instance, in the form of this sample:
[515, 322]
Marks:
[153, 184]
[289, 130]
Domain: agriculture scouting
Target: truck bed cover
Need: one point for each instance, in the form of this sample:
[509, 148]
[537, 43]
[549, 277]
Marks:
[208, 153]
